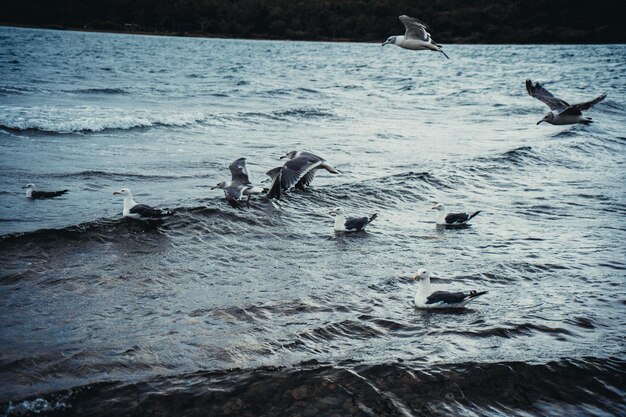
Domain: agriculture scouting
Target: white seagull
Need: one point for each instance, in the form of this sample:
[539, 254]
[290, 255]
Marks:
[452, 219]
[426, 298]
[31, 192]
[132, 210]
[297, 172]
[240, 184]
[351, 224]
[416, 37]
[561, 113]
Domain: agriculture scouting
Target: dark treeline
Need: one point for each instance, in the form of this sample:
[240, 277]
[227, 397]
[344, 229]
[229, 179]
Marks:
[451, 21]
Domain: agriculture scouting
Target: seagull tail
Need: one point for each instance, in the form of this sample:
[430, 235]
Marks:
[474, 294]
[276, 189]
[474, 214]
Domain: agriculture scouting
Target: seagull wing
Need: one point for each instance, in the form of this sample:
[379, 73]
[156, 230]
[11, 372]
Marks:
[295, 169]
[452, 298]
[306, 180]
[457, 218]
[537, 91]
[576, 109]
[415, 29]
[47, 194]
[239, 171]
[146, 211]
[356, 223]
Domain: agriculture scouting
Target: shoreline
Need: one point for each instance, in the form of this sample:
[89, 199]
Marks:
[260, 37]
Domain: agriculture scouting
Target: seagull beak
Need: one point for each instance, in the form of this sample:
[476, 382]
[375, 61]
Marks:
[24, 187]
[433, 208]
[283, 157]
[116, 192]
[540, 121]
[384, 43]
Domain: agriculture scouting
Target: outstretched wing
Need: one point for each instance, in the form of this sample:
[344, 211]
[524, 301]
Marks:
[576, 109]
[239, 171]
[415, 29]
[537, 91]
[295, 169]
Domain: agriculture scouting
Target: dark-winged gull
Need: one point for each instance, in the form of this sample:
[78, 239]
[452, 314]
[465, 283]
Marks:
[416, 37]
[132, 210]
[351, 224]
[240, 184]
[561, 113]
[426, 298]
[452, 219]
[297, 172]
[32, 192]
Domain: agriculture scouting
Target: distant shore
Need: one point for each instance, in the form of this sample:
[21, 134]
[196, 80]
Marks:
[266, 37]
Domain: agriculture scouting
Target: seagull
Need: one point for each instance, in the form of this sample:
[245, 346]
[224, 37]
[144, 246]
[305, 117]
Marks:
[31, 192]
[426, 298]
[240, 184]
[415, 38]
[132, 210]
[351, 224]
[452, 219]
[561, 113]
[297, 172]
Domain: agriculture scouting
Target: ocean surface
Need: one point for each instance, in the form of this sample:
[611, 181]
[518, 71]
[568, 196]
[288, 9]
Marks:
[266, 311]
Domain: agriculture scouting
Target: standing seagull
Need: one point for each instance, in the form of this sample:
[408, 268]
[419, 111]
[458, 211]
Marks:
[426, 298]
[31, 192]
[132, 210]
[452, 219]
[561, 113]
[415, 38]
[240, 184]
[297, 172]
[352, 224]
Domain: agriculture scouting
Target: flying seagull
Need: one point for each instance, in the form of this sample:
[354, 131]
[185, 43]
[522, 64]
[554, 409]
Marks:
[452, 219]
[426, 298]
[297, 172]
[132, 210]
[240, 184]
[31, 192]
[561, 113]
[351, 224]
[415, 38]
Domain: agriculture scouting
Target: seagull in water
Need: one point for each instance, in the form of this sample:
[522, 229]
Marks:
[240, 184]
[452, 219]
[297, 172]
[132, 210]
[561, 113]
[31, 192]
[351, 224]
[415, 38]
[426, 298]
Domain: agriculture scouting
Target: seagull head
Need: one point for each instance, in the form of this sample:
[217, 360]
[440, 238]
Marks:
[336, 211]
[29, 186]
[290, 155]
[438, 207]
[124, 191]
[391, 40]
[547, 118]
[221, 185]
[421, 274]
